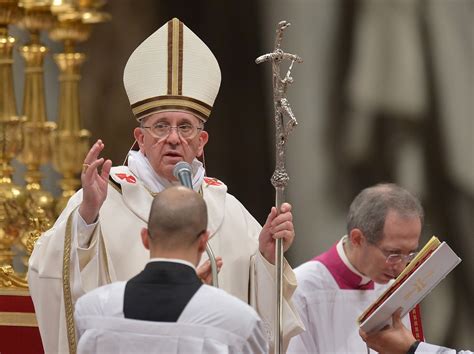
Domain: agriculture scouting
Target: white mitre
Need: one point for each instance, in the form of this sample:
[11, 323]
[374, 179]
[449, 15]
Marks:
[172, 70]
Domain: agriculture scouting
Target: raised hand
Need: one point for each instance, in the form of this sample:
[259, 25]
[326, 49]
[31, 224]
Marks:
[94, 184]
[277, 226]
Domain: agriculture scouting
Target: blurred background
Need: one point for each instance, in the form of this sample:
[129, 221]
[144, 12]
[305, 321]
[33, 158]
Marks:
[385, 94]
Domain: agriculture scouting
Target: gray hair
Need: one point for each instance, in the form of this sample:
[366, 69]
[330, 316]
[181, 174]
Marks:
[369, 209]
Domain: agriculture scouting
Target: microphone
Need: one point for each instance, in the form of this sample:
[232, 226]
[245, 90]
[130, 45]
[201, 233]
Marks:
[182, 171]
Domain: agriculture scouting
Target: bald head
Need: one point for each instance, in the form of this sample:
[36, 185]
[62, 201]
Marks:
[178, 216]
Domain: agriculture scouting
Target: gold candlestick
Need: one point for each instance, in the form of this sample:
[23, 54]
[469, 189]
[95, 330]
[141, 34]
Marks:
[71, 143]
[9, 13]
[74, 24]
[12, 197]
[37, 130]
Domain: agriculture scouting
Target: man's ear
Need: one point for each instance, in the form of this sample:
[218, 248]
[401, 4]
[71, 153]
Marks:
[356, 238]
[203, 241]
[203, 139]
[139, 136]
[145, 238]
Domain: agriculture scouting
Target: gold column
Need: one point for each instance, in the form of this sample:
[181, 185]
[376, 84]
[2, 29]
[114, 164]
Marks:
[12, 197]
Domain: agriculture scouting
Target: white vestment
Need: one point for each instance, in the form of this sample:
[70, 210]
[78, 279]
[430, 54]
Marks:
[426, 348]
[212, 322]
[116, 253]
[329, 308]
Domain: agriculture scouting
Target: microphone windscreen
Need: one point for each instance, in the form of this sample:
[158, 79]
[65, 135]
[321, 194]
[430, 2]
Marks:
[182, 171]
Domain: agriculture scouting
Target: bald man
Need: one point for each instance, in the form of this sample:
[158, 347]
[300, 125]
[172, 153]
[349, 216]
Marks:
[168, 289]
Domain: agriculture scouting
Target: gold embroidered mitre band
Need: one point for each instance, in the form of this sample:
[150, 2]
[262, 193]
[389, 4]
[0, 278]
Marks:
[172, 70]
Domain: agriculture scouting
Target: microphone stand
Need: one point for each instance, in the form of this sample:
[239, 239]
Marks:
[280, 178]
[212, 259]
[182, 171]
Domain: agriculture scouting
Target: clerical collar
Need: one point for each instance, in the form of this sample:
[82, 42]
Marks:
[173, 260]
[342, 254]
[141, 167]
[342, 271]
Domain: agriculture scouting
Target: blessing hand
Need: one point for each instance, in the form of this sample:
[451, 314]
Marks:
[94, 184]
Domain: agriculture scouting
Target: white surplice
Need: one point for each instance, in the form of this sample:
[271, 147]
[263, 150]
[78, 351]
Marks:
[116, 253]
[331, 295]
[212, 322]
[426, 348]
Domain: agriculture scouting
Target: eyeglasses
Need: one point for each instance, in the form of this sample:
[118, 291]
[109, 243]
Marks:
[161, 130]
[396, 258]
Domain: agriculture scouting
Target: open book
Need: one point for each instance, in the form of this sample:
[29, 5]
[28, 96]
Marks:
[421, 275]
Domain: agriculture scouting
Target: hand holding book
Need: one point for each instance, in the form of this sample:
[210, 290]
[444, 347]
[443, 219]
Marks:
[421, 275]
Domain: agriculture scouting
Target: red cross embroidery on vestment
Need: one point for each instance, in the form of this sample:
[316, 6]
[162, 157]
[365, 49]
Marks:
[128, 178]
[212, 181]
